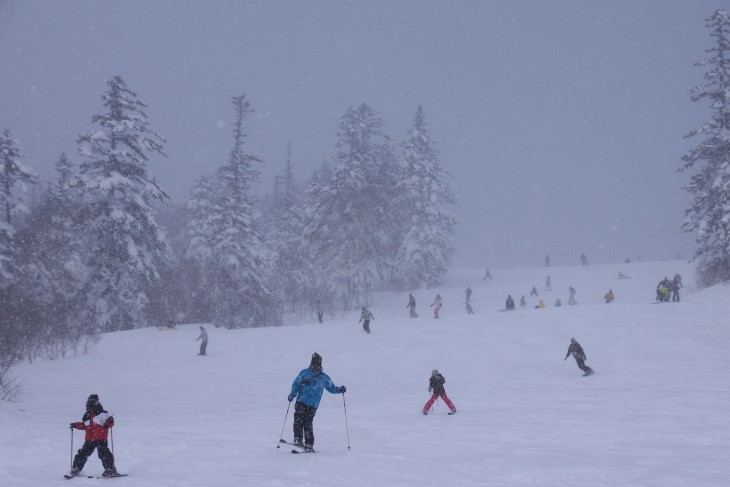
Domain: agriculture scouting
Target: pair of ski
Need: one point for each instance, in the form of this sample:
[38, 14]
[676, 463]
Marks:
[69, 477]
[301, 448]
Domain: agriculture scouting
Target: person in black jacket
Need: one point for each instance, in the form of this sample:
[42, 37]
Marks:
[510, 304]
[412, 306]
[579, 355]
[436, 387]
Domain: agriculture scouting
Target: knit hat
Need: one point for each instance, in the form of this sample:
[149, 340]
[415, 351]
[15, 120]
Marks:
[316, 360]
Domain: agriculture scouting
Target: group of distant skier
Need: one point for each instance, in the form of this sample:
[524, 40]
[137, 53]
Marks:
[665, 288]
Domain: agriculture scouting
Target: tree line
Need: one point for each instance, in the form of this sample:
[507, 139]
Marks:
[101, 248]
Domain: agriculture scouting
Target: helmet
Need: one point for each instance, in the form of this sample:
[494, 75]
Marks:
[434, 371]
[92, 401]
[572, 340]
[363, 308]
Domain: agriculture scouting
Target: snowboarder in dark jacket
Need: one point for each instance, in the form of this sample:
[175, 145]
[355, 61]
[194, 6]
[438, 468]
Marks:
[365, 317]
[204, 344]
[96, 422]
[307, 388]
[579, 355]
[436, 388]
[510, 303]
[412, 306]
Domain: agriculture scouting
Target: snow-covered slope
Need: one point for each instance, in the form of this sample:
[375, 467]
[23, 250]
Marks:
[655, 413]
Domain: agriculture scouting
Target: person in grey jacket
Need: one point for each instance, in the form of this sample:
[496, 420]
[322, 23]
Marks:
[204, 344]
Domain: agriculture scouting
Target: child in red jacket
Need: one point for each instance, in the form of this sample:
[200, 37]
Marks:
[96, 422]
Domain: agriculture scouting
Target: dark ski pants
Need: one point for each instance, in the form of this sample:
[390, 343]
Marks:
[675, 295]
[366, 325]
[582, 365]
[319, 316]
[203, 346]
[102, 449]
[413, 312]
[303, 428]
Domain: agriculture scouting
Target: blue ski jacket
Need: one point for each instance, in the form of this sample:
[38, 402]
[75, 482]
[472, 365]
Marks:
[309, 385]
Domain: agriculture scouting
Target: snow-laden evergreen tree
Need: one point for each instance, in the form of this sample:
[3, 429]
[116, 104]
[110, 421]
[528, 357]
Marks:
[345, 228]
[284, 225]
[123, 237]
[53, 268]
[240, 294]
[709, 214]
[424, 198]
[15, 180]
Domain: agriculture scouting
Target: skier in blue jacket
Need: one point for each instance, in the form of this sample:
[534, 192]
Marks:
[307, 388]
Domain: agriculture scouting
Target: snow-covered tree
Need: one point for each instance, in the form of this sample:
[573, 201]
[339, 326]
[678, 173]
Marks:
[123, 237]
[284, 224]
[240, 294]
[345, 226]
[423, 200]
[709, 215]
[15, 178]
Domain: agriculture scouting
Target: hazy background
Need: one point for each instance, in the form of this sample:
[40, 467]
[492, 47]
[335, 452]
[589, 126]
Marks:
[562, 122]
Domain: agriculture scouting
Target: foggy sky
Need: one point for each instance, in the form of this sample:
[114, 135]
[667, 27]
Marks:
[562, 122]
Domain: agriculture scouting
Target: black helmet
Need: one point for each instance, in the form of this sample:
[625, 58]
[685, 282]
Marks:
[316, 363]
[92, 401]
[572, 340]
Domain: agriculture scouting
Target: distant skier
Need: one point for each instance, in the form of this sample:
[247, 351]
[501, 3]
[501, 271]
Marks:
[412, 306]
[487, 274]
[365, 317]
[583, 259]
[436, 388]
[510, 303]
[96, 422]
[679, 279]
[571, 298]
[320, 311]
[204, 344]
[662, 290]
[541, 304]
[558, 303]
[547, 260]
[437, 303]
[534, 291]
[676, 284]
[621, 275]
[579, 356]
[548, 285]
[523, 302]
[469, 309]
[608, 297]
[307, 388]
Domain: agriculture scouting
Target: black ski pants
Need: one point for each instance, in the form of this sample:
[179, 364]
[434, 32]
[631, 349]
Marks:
[203, 346]
[582, 365]
[366, 325]
[303, 428]
[102, 449]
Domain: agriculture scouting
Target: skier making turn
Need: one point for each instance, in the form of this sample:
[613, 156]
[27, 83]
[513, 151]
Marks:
[579, 355]
[436, 388]
[307, 388]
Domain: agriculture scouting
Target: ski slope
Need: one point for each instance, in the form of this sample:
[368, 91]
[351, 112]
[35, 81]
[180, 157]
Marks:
[655, 414]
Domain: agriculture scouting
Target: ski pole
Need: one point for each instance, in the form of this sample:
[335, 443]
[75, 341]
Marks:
[347, 430]
[72, 448]
[111, 434]
[281, 435]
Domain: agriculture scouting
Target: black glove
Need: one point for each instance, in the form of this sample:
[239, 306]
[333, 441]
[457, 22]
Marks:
[343, 389]
[291, 397]
[73, 425]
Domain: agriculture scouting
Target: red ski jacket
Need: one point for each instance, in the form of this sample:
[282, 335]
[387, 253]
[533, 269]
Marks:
[96, 425]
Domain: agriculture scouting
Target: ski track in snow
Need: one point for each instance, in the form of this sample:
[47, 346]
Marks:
[655, 413]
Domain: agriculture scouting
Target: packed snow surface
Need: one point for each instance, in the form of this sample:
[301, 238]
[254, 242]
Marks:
[656, 413]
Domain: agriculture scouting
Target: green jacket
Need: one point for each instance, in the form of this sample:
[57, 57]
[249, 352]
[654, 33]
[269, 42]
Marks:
[366, 315]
